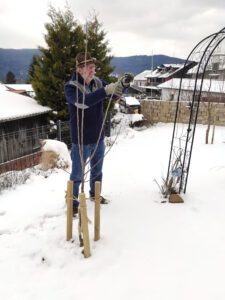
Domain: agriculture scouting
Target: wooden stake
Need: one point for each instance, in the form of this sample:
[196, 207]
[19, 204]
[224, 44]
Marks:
[69, 202]
[97, 211]
[175, 198]
[213, 134]
[84, 225]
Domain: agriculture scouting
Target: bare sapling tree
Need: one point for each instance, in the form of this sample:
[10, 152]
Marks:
[125, 81]
[210, 105]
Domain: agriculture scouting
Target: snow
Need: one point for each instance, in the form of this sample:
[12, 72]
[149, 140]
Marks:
[148, 249]
[25, 87]
[165, 70]
[15, 106]
[131, 100]
[60, 149]
[136, 117]
[124, 120]
[143, 75]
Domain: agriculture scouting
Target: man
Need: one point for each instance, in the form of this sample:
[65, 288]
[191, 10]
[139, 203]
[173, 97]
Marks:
[85, 94]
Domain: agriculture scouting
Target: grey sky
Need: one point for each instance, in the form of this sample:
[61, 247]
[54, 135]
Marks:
[133, 27]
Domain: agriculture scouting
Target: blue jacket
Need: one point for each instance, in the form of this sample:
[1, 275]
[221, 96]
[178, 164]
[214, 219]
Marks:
[94, 95]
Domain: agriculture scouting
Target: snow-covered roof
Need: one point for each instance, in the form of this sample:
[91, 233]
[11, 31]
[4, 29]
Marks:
[142, 75]
[150, 87]
[131, 100]
[176, 66]
[215, 86]
[19, 87]
[165, 70]
[15, 106]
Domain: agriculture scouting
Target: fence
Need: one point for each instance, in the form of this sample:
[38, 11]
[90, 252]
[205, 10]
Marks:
[21, 149]
[23, 145]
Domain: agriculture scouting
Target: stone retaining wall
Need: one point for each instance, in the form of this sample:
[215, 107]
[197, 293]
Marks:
[164, 111]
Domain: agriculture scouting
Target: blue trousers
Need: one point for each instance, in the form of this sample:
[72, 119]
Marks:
[96, 165]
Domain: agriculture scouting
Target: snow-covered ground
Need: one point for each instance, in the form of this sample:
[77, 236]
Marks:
[148, 249]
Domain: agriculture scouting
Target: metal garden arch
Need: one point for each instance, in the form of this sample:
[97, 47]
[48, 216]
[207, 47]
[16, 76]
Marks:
[183, 138]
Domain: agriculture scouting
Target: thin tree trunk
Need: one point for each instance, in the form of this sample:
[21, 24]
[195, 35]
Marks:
[208, 127]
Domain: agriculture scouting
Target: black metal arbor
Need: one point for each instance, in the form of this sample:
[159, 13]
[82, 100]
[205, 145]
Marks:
[183, 134]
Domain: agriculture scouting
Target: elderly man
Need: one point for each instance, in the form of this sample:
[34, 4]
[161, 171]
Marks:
[85, 94]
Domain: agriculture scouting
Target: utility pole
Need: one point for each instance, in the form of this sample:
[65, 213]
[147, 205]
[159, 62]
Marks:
[152, 71]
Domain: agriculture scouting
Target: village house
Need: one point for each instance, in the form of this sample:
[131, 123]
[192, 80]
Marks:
[140, 80]
[149, 80]
[215, 68]
[211, 89]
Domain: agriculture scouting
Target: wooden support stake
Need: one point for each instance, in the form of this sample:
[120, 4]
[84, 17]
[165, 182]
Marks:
[84, 225]
[69, 202]
[175, 198]
[97, 211]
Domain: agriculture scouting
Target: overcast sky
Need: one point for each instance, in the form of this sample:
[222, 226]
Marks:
[133, 27]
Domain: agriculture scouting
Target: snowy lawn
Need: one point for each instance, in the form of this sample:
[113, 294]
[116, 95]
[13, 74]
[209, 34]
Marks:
[148, 250]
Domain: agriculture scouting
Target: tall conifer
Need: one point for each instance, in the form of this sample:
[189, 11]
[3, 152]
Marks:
[64, 39]
[97, 45]
[10, 77]
[53, 68]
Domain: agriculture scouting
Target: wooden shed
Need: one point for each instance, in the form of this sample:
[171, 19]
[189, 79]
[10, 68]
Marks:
[23, 122]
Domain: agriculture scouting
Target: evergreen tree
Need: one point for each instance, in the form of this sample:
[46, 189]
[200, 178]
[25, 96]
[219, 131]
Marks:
[31, 70]
[65, 38]
[49, 72]
[98, 47]
[10, 78]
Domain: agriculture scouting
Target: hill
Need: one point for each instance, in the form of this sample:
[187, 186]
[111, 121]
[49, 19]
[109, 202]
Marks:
[18, 61]
[138, 63]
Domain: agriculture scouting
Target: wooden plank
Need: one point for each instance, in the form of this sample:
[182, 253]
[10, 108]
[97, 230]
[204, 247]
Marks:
[69, 202]
[97, 211]
[84, 225]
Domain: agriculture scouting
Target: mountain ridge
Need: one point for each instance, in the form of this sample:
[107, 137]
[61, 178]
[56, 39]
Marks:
[139, 63]
[19, 60]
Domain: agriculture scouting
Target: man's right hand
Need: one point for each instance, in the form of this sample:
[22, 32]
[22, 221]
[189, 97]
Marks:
[114, 89]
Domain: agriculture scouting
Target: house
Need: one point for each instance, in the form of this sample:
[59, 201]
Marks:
[211, 88]
[160, 75]
[140, 80]
[22, 123]
[133, 90]
[215, 68]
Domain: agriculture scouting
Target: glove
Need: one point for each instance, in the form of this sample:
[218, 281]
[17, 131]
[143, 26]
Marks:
[126, 79]
[114, 89]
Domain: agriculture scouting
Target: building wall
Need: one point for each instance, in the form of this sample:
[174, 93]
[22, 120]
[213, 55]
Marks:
[21, 163]
[139, 82]
[164, 111]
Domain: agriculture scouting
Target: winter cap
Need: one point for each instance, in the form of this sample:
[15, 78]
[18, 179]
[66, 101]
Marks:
[83, 59]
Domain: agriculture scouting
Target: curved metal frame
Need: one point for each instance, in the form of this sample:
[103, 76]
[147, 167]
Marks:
[178, 167]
